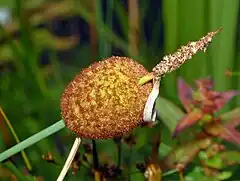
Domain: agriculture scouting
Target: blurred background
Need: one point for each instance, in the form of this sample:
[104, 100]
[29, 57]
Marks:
[44, 44]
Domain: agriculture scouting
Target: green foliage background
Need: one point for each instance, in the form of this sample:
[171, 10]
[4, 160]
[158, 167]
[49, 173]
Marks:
[30, 92]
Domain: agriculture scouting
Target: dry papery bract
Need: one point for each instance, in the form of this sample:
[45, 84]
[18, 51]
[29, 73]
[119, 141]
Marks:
[105, 99]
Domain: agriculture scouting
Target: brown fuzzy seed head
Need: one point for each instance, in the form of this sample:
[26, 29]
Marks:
[105, 100]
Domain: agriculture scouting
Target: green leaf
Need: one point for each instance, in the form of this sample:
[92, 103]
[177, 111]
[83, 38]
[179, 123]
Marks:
[215, 162]
[184, 154]
[224, 14]
[169, 113]
[231, 115]
[224, 175]
[197, 174]
[32, 140]
[17, 172]
[164, 149]
[224, 159]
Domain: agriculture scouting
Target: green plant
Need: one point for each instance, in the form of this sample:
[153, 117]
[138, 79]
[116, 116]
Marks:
[69, 107]
[142, 30]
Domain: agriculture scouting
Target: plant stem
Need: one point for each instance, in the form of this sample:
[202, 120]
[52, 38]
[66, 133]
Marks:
[95, 155]
[169, 172]
[145, 79]
[31, 140]
[25, 158]
[17, 172]
[97, 175]
[119, 147]
[70, 158]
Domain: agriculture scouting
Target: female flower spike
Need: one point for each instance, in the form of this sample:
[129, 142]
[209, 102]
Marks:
[105, 100]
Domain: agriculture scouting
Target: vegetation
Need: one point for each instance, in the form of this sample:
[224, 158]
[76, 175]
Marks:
[196, 137]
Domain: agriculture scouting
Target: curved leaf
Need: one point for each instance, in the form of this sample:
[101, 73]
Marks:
[169, 113]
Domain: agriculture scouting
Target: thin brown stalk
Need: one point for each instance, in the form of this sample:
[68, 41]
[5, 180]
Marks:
[93, 31]
[133, 21]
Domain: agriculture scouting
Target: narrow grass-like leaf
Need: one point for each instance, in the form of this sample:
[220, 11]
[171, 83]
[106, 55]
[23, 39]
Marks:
[32, 140]
[122, 17]
[106, 31]
[170, 18]
[109, 23]
[16, 172]
[14, 50]
[224, 14]
[99, 22]
[133, 24]
[24, 155]
[29, 58]
[193, 26]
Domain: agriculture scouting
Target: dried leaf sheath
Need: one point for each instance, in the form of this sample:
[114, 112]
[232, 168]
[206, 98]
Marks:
[174, 61]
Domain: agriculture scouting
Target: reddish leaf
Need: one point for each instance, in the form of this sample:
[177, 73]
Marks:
[227, 131]
[224, 97]
[189, 120]
[204, 86]
[185, 94]
[231, 134]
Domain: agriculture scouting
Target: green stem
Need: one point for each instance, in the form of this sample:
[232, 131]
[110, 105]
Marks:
[24, 155]
[32, 140]
[145, 79]
[95, 156]
[119, 147]
[169, 172]
[16, 172]
[235, 73]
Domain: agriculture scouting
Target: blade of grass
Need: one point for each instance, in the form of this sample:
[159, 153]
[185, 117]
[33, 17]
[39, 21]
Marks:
[170, 18]
[193, 27]
[122, 17]
[15, 51]
[109, 23]
[93, 32]
[24, 155]
[236, 69]
[16, 172]
[133, 23]
[32, 140]
[223, 13]
[106, 31]
[103, 52]
[215, 15]
[29, 58]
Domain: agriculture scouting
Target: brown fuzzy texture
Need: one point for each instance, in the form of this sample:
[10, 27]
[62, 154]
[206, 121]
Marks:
[105, 100]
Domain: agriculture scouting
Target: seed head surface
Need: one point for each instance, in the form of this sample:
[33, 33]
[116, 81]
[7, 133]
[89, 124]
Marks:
[105, 99]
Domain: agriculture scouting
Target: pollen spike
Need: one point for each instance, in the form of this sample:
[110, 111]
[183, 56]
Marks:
[173, 61]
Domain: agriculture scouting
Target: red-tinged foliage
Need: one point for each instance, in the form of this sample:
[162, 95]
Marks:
[201, 104]
[224, 97]
[190, 119]
[185, 94]
[231, 133]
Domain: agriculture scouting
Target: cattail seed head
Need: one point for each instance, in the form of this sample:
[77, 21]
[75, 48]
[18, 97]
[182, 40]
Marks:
[105, 99]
